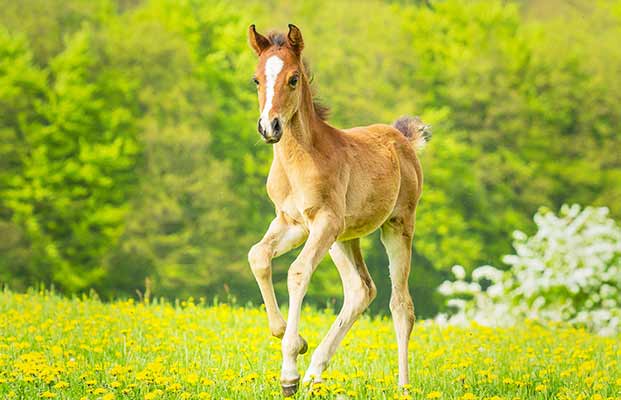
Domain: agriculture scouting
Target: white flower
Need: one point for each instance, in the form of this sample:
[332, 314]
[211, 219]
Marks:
[459, 272]
[446, 288]
[572, 257]
[487, 272]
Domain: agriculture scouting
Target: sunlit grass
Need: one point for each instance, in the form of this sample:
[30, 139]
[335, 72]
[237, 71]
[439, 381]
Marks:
[51, 347]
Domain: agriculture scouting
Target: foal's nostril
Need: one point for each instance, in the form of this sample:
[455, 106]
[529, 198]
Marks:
[276, 127]
[259, 127]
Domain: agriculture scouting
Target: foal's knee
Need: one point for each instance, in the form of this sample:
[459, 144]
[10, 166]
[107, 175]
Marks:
[298, 277]
[258, 258]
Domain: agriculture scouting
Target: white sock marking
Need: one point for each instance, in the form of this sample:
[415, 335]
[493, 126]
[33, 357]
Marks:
[273, 66]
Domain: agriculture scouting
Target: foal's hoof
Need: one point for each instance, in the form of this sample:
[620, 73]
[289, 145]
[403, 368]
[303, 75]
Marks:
[290, 389]
[304, 347]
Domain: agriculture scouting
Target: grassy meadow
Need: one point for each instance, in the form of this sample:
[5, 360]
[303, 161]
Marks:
[58, 348]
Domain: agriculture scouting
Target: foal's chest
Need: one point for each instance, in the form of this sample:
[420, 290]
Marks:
[293, 193]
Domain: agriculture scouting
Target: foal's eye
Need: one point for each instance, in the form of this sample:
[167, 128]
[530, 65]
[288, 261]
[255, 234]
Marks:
[293, 81]
[256, 81]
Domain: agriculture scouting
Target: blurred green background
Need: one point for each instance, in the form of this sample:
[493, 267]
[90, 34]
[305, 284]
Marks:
[128, 143]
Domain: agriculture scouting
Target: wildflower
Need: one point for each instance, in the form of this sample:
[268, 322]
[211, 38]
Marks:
[174, 387]
[61, 385]
[434, 395]
[191, 378]
[99, 391]
[153, 395]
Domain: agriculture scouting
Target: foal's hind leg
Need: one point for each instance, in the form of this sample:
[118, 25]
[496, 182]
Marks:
[280, 237]
[397, 239]
[359, 291]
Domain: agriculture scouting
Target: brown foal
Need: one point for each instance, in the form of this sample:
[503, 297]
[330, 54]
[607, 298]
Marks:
[329, 188]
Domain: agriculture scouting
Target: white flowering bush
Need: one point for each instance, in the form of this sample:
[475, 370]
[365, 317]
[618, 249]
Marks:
[570, 270]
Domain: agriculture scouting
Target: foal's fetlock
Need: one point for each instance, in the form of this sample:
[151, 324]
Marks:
[313, 375]
[303, 345]
[278, 330]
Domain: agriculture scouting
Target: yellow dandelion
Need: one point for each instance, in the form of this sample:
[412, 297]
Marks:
[540, 388]
[61, 385]
[153, 395]
[174, 387]
[434, 395]
[100, 391]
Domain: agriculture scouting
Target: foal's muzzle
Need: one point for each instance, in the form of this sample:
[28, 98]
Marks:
[272, 133]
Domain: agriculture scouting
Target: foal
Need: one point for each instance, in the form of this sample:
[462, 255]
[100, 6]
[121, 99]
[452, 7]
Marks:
[330, 187]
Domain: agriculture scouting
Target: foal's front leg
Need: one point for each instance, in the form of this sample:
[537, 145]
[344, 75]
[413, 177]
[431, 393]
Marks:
[323, 232]
[280, 237]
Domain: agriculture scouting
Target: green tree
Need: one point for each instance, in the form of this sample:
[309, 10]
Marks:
[78, 158]
[22, 88]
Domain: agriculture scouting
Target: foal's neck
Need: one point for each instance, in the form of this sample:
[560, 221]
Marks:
[304, 133]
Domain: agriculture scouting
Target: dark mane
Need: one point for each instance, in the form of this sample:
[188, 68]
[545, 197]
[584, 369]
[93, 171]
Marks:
[279, 39]
[322, 111]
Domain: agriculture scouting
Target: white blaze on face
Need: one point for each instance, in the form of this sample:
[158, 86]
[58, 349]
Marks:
[273, 66]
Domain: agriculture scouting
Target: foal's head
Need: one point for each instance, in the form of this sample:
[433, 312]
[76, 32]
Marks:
[279, 77]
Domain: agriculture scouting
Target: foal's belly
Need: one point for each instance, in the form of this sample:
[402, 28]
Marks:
[370, 201]
[368, 205]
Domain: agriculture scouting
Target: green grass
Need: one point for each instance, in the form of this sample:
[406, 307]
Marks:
[81, 348]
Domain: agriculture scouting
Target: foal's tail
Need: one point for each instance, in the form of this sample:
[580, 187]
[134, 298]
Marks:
[415, 130]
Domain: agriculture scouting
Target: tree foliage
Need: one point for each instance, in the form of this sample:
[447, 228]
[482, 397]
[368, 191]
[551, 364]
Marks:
[128, 146]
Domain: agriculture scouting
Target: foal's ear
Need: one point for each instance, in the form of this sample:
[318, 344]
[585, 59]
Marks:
[257, 41]
[294, 37]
